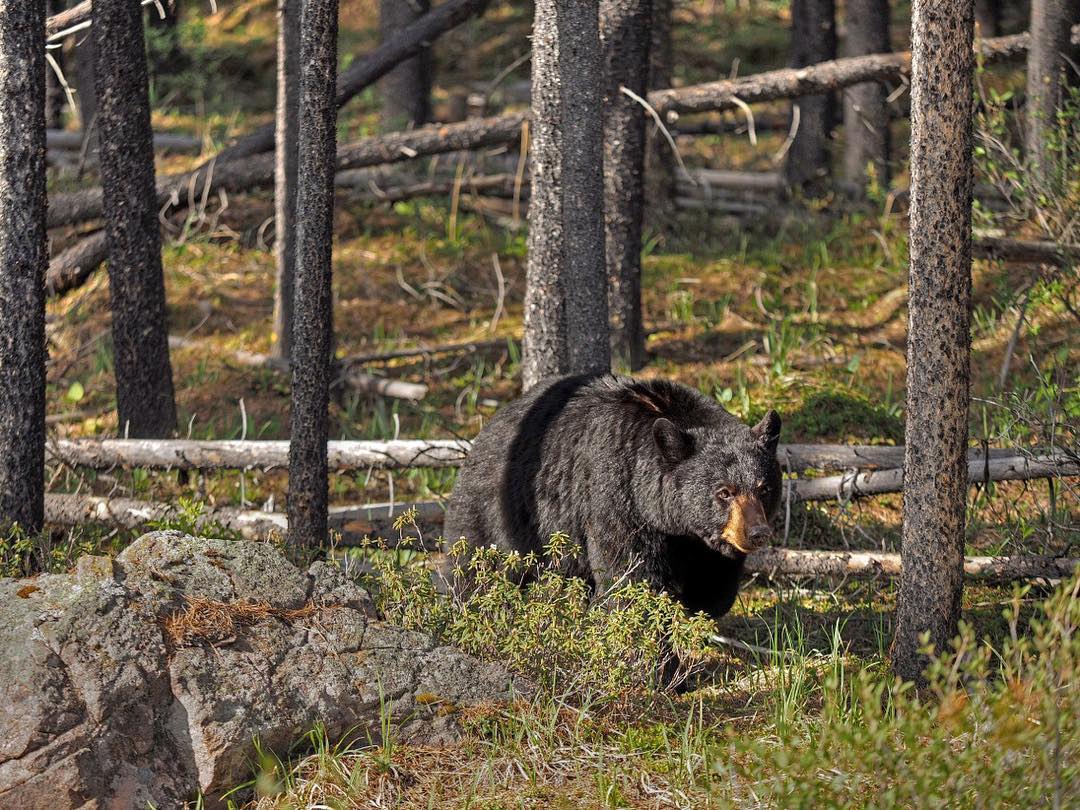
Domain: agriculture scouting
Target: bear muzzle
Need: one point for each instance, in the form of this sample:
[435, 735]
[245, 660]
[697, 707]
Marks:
[747, 527]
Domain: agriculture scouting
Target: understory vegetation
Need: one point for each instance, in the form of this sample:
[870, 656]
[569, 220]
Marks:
[788, 701]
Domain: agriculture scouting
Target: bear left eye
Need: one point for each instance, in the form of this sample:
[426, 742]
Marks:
[725, 493]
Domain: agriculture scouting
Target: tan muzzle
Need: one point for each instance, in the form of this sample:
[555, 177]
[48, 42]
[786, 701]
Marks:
[747, 528]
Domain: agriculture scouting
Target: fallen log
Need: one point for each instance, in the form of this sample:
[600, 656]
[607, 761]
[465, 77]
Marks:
[230, 169]
[1003, 464]
[831, 564]
[187, 454]
[72, 267]
[163, 141]
[1025, 250]
[374, 520]
[353, 523]
[823, 77]
[859, 485]
[345, 377]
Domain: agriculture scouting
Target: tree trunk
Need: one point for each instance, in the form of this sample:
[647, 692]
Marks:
[987, 18]
[405, 90]
[1048, 62]
[813, 40]
[144, 387]
[85, 95]
[313, 328]
[54, 91]
[566, 318]
[288, 55]
[866, 114]
[659, 159]
[939, 330]
[23, 258]
[624, 35]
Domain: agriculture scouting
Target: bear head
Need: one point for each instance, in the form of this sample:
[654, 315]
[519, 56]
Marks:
[723, 480]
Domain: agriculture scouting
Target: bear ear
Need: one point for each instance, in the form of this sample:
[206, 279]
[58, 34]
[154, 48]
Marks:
[767, 431]
[674, 444]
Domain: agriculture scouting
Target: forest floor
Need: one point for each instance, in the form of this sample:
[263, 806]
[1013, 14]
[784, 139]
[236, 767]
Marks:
[801, 310]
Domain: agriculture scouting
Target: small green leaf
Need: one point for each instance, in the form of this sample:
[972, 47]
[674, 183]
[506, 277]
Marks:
[75, 393]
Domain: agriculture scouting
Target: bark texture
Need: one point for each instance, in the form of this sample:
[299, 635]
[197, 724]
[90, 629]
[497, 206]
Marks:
[866, 114]
[313, 328]
[1048, 63]
[624, 36]
[285, 140]
[405, 90]
[659, 159]
[144, 386]
[566, 313]
[939, 330]
[813, 40]
[23, 260]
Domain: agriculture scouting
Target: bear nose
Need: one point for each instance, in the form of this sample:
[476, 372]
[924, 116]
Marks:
[759, 536]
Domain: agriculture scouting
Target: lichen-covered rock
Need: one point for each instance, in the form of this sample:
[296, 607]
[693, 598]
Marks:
[107, 699]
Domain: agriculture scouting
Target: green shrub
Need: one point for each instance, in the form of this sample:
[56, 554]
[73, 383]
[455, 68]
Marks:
[553, 630]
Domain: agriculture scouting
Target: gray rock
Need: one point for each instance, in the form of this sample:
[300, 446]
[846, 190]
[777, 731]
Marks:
[101, 707]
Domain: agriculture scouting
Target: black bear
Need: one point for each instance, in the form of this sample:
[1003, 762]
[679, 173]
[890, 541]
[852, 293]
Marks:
[647, 472]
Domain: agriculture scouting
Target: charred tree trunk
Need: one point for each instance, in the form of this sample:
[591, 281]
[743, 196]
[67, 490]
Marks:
[23, 259]
[85, 94]
[866, 114]
[659, 159]
[624, 35]
[54, 91]
[939, 331]
[313, 328]
[144, 387]
[406, 90]
[1048, 61]
[566, 317]
[813, 40]
[987, 18]
[285, 156]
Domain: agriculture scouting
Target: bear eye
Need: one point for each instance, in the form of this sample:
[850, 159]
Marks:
[725, 493]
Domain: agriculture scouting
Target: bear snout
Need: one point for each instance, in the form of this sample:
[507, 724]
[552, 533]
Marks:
[747, 528]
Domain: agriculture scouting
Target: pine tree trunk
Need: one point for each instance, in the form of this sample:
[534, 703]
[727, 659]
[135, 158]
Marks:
[54, 91]
[288, 56]
[1051, 22]
[85, 94]
[313, 327]
[866, 114]
[566, 317]
[624, 36]
[23, 259]
[659, 159]
[939, 331]
[405, 90]
[144, 387]
[813, 40]
[987, 18]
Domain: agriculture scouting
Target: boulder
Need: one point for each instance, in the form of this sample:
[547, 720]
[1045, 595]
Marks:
[145, 679]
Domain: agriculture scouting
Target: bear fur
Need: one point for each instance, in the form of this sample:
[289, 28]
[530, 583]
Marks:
[644, 475]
